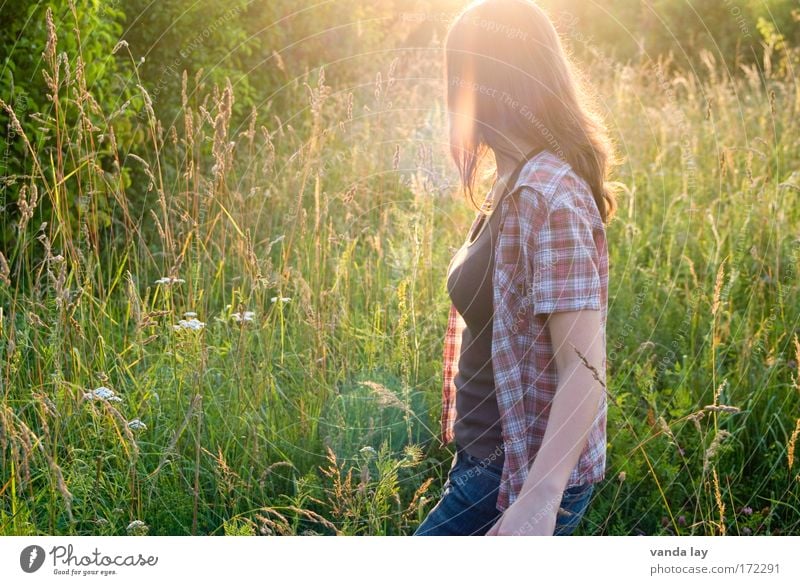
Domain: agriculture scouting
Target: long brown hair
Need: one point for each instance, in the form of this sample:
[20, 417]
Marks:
[509, 78]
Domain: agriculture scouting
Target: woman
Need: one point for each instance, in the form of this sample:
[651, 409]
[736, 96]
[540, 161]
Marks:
[524, 362]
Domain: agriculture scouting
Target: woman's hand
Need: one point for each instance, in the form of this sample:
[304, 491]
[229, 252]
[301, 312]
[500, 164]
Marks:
[533, 516]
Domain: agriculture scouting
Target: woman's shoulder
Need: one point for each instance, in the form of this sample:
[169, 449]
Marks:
[543, 173]
[548, 182]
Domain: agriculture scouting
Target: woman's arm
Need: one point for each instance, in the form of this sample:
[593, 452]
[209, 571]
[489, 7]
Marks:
[572, 412]
[575, 404]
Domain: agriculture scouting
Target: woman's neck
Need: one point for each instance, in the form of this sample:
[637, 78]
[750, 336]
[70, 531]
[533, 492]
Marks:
[507, 160]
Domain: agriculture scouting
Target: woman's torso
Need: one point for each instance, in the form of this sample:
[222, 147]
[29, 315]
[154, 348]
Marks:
[477, 427]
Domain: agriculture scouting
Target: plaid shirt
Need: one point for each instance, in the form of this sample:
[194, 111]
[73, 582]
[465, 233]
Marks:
[550, 256]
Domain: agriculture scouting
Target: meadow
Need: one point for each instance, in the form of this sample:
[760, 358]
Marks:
[257, 348]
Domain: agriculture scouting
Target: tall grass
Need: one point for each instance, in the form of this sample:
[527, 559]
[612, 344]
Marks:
[271, 328]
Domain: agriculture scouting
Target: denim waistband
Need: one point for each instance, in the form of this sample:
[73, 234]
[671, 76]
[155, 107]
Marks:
[482, 461]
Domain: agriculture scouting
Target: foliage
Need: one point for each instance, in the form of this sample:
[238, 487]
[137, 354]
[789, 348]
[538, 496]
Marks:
[644, 31]
[85, 64]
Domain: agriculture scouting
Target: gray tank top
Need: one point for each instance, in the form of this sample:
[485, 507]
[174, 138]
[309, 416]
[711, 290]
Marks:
[477, 426]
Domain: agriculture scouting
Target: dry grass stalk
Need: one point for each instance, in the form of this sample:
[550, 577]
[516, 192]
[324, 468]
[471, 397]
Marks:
[386, 397]
[718, 289]
[712, 450]
[720, 504]
[792, 442]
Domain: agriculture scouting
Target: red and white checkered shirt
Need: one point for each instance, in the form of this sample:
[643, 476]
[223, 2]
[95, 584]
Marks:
[550, 256]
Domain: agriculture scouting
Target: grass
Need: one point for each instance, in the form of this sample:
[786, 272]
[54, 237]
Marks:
[333, 224]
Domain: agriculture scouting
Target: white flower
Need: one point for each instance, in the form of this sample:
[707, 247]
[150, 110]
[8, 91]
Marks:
[246, 316]
[102, 393]
[137, 528]
[169, 280]
[137, 425]
[282, 299]
[192, 324]
[368, 451]
[190, 314]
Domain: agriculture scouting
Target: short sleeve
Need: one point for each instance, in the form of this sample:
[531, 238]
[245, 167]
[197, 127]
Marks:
[565, 261]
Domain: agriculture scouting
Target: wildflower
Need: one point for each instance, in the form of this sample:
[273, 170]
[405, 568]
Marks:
[192, 324]
[137, 528]
[621, 476]
[168, 280]
[190, 314]
[102, 393]
[282, 299]
[747, 511]
[246, 316]
[682, 520]
[746, 531]
[368, 451]
[137, 425]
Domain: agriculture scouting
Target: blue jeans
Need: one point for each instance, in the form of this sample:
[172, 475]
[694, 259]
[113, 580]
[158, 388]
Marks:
[467, 506]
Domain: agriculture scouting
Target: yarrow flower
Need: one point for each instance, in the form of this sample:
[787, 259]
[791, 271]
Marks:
[137, 425]
[246, 316]
[190, 314]
[137, 528]
[192, 324]
[282, 299]
[169, 280]
[102, 393]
